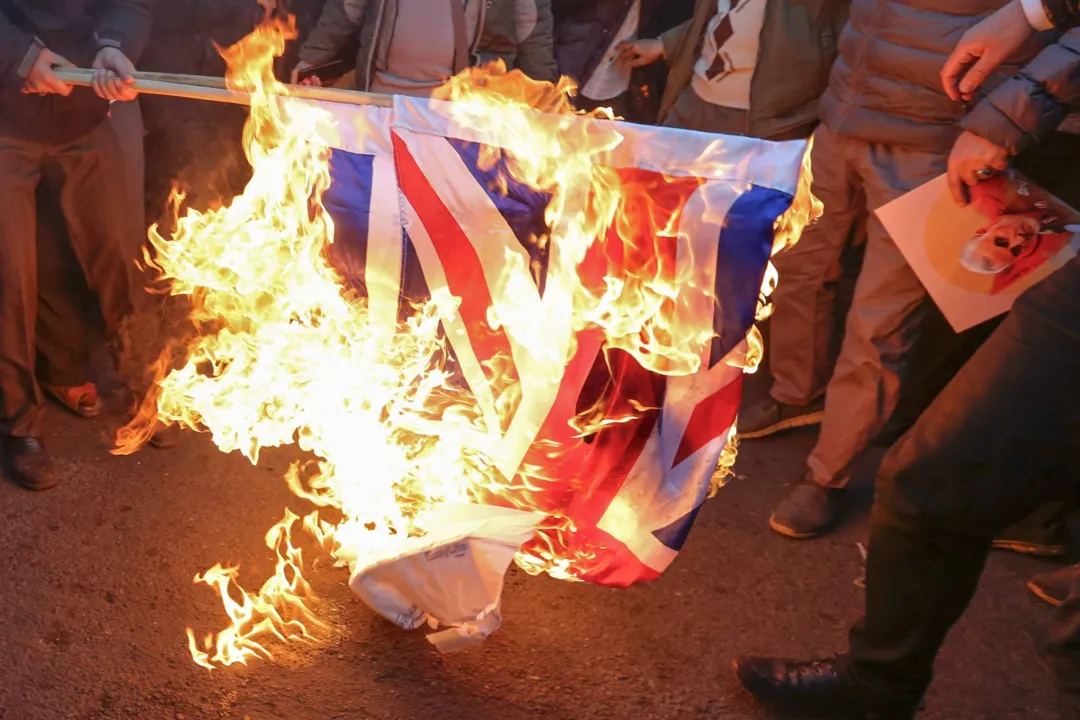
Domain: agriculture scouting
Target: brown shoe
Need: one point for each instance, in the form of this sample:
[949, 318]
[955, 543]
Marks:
[807, 511]
[166, 437]
[27, 463]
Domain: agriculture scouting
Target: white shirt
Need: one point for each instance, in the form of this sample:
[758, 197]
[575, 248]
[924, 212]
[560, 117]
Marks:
[611, 78]
[723, 73]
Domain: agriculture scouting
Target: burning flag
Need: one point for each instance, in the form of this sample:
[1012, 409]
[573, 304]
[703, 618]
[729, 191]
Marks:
[489, 300]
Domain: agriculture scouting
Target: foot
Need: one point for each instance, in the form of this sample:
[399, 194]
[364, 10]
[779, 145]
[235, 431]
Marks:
[819, 687]
[1026, 538]
[165, 437]
[1053, 587]
[83, 400]
[769, 417]
[27, 463]
[807, 511]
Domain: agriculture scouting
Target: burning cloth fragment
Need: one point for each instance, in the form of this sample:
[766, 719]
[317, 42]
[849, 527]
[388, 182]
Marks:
[454, 579]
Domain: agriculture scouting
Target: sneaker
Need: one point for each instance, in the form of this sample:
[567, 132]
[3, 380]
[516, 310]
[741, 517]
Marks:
[769, 417]
[1035, 536]
[27, 463]
[1053, 587]
[807, 511]
[823, 688]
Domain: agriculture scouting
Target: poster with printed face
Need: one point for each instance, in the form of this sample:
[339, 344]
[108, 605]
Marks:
[976, 260]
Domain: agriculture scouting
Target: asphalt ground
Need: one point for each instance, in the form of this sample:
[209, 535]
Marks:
[96, 586]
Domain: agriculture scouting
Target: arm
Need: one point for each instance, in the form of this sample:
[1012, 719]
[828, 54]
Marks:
[125, 26]
[340, 20]
[673, 38]
[18, 53]
[535, 28]
[1024, 109]
[1050, 14]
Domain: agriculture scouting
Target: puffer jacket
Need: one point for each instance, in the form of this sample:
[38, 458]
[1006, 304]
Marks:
[75, 29]
[886, 85]
[519, 32]
[1032, 104]
[797, 49]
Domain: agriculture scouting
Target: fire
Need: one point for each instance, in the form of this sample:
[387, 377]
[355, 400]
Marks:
[285, 355]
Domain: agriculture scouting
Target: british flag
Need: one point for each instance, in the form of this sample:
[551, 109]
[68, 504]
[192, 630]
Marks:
[416, 212]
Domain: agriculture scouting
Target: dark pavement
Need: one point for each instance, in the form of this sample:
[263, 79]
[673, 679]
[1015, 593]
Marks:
[96, 589]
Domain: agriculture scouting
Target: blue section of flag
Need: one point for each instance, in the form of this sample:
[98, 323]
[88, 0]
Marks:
[745, 245]
[674, 535]
[348, 201]
[521, 206]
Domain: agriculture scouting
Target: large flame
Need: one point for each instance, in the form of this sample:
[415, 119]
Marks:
[284, 354]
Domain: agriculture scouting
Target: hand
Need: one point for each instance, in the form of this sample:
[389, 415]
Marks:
[984, 47]
[637, 53]
[970, 155]
[312, 80]
[114, 76]
[42, 80]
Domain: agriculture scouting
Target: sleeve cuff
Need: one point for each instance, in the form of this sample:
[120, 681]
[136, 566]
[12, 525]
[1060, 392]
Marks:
[108, 42]
[1036, 15]
[30, 58]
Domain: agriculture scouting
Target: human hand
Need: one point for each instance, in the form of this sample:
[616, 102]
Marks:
[972, 159]
[982, 48]
[637, 53]
[310, 80]
[114, 75]
[42, 80]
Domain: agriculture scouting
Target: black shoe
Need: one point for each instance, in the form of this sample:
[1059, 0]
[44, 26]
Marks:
[822, 688]
[769, 417]
[1053, 587]
[27, 463]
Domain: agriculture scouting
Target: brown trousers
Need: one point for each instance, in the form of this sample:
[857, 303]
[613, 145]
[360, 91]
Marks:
[93, 200]
[852, 178]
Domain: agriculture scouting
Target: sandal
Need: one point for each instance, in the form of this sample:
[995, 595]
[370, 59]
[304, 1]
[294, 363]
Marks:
[82, 400]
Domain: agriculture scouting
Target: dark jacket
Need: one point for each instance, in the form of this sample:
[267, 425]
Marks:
[584, 30]
[886, 84]
[1064, 14]
[798, 46]
[515, 31]
[186, 32]
[75, 29]
[1032, 104]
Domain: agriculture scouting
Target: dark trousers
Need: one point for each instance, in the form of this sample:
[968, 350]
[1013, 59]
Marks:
[1001, 439]
[92, 195]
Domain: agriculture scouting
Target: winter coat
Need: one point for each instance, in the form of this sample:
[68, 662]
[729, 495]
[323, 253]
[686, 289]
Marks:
[76, 30]
[797, 49]
[584, 30]
[516, 31]
[886, 84]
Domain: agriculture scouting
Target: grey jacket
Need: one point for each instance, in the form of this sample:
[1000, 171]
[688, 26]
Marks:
[1033, 103]
[886, 86]
[517, 31]
[798, 46]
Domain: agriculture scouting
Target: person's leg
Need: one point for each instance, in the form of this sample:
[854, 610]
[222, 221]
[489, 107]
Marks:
[882, 325]
[94, 202]
[993, 446]
[21, 404]
[801, 326]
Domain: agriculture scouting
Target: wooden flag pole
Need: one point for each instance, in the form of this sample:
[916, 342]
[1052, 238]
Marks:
[214, 89]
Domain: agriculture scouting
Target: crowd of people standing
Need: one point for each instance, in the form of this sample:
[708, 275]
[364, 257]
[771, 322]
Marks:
[894, 93]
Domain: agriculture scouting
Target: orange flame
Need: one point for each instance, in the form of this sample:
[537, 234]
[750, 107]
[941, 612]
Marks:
[285, 355]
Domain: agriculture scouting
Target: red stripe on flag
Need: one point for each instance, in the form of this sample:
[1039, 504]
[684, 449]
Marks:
[464, 271]
[711, 418]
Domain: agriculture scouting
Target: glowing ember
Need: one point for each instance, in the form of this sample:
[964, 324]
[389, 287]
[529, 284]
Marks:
[285, 355]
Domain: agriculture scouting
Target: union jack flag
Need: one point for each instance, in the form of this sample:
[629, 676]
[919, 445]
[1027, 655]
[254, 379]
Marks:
[416, 212]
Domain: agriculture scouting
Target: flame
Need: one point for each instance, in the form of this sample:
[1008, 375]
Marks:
[283, 354]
